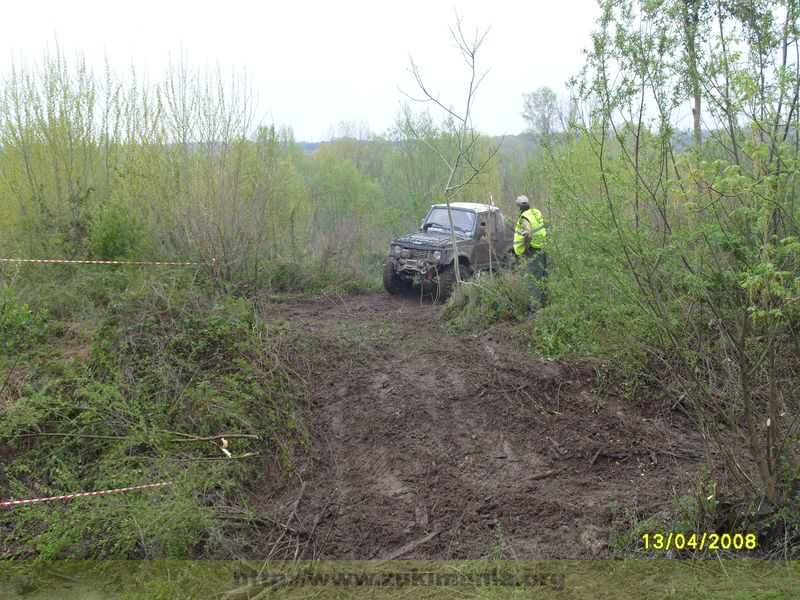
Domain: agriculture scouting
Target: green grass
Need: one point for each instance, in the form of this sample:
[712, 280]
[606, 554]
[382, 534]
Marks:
[104, 400]
[489, 298]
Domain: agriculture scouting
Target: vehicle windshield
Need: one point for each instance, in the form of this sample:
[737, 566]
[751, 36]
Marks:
[463, 220]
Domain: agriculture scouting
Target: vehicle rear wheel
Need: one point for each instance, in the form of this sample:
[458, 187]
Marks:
[392, 282]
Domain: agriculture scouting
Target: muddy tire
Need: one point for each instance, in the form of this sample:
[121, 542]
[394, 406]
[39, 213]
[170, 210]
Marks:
[392, 282]
[446, 282]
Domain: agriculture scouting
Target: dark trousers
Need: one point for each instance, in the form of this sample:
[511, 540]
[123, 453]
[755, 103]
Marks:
[537, 267]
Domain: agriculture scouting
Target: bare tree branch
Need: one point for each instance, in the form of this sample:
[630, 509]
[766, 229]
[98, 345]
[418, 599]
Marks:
[462, 167]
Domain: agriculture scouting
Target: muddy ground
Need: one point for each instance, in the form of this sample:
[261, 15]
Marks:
[433, 445]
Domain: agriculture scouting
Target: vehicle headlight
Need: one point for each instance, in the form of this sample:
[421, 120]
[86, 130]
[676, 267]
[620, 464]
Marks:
[437, 255]
[397, 250]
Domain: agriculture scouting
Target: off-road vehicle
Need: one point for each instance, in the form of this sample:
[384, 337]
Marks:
[427, 258]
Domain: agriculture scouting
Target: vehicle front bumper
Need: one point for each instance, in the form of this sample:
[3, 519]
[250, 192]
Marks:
[416, 268]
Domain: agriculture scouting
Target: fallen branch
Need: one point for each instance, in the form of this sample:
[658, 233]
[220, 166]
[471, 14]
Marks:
[266, 593]
[558, 449]
[237, 514]
[611, 455]
[316, 522]
[544, 474]
[190, 438]
[226, 459]
[62, 576]
[295, 506]
[409, 547]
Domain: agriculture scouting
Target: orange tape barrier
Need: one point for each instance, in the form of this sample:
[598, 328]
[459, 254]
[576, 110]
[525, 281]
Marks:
[92, 262]
[83, 494]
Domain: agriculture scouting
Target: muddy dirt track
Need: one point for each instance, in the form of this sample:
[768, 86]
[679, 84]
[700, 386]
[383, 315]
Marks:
[437, 446]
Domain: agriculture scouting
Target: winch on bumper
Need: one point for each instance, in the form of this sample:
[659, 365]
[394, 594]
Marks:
[416, 264]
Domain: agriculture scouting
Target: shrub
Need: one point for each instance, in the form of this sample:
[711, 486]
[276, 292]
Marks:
[116, 233]
[489, 298]
[19, 324]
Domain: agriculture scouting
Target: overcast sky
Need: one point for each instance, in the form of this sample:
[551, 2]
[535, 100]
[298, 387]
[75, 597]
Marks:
[314, 64]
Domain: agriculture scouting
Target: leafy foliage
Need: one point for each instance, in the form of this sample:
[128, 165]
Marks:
[20, 325]
[167, 366]
[681, 249]
[116, 233]
[488, 298]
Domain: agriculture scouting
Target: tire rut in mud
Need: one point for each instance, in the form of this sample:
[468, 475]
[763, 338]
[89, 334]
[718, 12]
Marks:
[466, 436]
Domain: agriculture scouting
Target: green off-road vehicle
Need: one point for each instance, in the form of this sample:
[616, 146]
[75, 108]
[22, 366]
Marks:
[426, 258]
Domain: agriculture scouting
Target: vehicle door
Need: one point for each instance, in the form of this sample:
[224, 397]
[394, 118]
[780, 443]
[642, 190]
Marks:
[500, 239]
[502, 236]
[484, 232]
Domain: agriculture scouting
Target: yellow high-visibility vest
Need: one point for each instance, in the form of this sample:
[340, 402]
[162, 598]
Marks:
[538, 232]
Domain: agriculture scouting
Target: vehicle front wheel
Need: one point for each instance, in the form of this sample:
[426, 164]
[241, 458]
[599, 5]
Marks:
[446, 281]
[392, 282]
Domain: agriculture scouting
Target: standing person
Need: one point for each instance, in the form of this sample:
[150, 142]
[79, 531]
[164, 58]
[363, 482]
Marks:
[529, 239]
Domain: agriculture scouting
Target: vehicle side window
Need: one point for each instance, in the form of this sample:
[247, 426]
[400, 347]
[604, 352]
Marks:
[498, 224]
[483, 226]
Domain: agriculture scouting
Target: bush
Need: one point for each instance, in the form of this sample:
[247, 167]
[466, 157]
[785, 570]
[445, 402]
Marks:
[116, 233]
[20, 326]
[489, 298]
[312, 274]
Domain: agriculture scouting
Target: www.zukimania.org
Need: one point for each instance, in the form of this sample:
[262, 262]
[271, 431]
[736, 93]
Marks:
[494, 577]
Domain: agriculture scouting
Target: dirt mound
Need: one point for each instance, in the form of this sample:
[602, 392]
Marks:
[458, 446]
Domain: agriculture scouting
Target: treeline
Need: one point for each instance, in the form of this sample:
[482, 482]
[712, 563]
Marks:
[104, 167]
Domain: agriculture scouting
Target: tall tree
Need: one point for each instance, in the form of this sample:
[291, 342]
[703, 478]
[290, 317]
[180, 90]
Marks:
[541, 112]
[464, 163]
